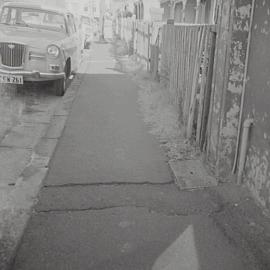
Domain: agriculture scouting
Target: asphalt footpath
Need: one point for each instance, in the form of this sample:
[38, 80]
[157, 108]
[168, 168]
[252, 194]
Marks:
[109, 201]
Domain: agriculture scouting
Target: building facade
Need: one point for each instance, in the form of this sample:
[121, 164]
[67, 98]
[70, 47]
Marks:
[148, 10]
[238, 127]
[189, 11]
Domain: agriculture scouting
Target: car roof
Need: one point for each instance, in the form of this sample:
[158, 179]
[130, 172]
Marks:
[34, 6]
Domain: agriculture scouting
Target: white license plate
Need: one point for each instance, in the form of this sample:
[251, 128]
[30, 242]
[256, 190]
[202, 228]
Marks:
[12, 79]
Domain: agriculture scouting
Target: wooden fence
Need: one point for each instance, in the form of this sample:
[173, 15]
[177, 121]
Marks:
[140, 36]
[185, 51]
[183, 56]
[125, 30]
[142, 40]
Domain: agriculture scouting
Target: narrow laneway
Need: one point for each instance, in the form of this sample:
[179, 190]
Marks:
[109, 200]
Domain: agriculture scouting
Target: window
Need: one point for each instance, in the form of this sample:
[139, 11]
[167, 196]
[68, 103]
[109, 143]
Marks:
[4, 15]
[13, 15]
[33, 18]
[30, 17]
[71, 24]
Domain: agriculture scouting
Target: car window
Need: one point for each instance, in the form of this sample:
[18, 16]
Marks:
[4, 15]
[34, 18]
[31, 17]
[54, 20]
[71, 24]
[12, 18]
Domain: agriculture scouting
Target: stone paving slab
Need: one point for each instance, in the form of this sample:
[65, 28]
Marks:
[56, 127]
[5, 192]
[15, 213]
[36, 117]
[61, 112]
[46, 147]
[12, 163]
[25, 135]
[38, 112]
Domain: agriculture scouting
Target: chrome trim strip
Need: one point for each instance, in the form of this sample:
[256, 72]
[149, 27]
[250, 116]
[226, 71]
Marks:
[11, 68]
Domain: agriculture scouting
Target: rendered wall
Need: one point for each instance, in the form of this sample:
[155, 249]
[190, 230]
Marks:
[222, 45]
[228, 83]
[257, 105]
[190, 11]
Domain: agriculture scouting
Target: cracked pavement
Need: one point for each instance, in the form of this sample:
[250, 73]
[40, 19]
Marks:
[109, 201]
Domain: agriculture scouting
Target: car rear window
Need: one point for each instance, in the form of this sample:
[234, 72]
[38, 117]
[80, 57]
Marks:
[33, 18]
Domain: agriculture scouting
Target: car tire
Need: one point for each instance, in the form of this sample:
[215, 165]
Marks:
[60, 87]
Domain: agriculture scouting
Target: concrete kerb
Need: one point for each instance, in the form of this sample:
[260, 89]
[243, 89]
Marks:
[23, 195]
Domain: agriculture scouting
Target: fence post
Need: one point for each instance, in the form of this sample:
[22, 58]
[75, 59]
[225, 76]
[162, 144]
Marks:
[135, 39]
[149, 45]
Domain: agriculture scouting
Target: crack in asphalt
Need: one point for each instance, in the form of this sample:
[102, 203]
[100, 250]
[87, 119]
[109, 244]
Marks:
[11, 147]
[109, 184]
[169, 213]
[98, 209]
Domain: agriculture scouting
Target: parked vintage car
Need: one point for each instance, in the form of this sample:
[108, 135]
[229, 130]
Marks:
[37, 44]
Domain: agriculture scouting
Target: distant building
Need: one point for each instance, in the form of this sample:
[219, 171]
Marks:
[189, 11]
[148, 10]
[95, 8]
[236, 136]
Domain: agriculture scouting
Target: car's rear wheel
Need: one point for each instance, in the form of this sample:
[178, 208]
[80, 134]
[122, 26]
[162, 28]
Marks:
[60, 87]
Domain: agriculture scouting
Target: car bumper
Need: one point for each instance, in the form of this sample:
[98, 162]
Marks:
[34, 75]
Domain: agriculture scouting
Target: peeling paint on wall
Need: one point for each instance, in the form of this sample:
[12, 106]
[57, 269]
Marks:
[234, 88]
[230, 130]
[243, 12]
[257, 100]
[223, 38]
[258, 162]
[234, 84]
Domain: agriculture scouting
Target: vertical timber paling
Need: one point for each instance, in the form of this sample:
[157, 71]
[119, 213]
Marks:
[186, 62]
[208, 90]
[196, 72]
[202, 85]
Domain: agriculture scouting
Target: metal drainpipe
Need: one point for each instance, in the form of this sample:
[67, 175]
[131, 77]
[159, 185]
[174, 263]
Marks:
[244, 90]
[243, 150]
